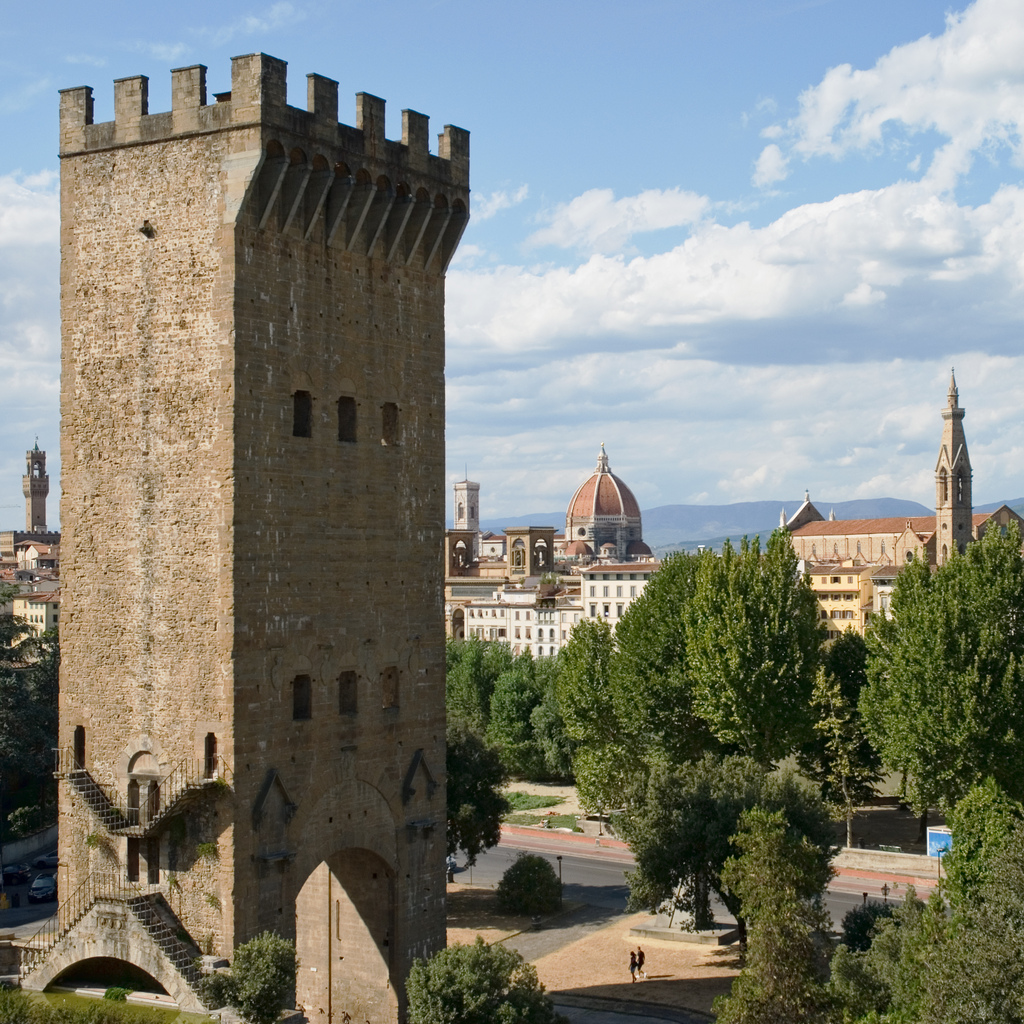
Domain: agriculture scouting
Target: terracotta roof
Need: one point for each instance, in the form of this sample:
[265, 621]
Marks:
[638, 547]
[922, 525]
[623, 567]
[602, 494]
[578, 548]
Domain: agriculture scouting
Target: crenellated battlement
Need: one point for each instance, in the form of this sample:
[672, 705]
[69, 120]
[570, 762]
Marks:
[258, 98]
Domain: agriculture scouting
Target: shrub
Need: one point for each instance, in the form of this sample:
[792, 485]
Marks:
[23, 821]
[263, 976]
[117, 994]
[859, 924]
[216, 990]
[477, 984]
[529, 886]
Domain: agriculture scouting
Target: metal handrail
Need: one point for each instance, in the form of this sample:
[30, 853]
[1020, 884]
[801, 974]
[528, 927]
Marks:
[111, 888]
[94, 889]
[114, 810]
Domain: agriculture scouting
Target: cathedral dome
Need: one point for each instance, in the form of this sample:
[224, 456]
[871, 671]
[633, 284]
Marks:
[604, 515]
[602, 494]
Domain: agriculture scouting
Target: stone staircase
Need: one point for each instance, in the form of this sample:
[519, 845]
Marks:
[171, 793]
[155, 918]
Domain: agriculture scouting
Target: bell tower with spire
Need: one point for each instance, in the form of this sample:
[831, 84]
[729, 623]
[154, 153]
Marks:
[953, 505]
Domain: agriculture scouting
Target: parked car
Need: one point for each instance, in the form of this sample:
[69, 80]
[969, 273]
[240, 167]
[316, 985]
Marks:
[43, 888]
[47, 860]
[16, 874]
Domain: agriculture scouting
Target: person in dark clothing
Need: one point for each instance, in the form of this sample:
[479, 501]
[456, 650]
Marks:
[632, 965]
[640, 959]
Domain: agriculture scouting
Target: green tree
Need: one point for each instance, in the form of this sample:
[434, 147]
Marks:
[475, 802]
[548, 726]
[651, 667]
[780, 880]
[927, 965]
[982, 824]
[517, 692]
[606, 759]
[15, 632]
[529, 886]
[682, 833]
[753, 644]
[262, 979]
[840, 758]
[944, 704]
[472, 668]
[477, 984]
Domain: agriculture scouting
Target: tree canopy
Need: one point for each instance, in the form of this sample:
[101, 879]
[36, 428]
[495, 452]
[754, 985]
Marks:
[477, 984]
[475, 801]
[753, 644]
[682, 833]
[944, 703]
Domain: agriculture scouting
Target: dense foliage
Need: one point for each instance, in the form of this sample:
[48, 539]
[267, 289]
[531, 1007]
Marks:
[529, 886]
[944, 703]
[475, 801]
[682, 833]
[780, 879]
[477, 984]
[753, 643]
[262, 978]
[29, 668]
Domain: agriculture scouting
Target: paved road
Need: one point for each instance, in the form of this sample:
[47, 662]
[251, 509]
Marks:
[25, 920]
[595, 876]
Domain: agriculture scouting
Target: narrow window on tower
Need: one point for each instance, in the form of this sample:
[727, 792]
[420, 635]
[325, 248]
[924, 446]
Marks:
[389, 687]
[346, 419]
[389, 423]
[302, 414]
[348, 694]
[302, 698]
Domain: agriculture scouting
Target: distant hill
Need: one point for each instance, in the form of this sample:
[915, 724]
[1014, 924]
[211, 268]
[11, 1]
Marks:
[678, 525]
[687, 525]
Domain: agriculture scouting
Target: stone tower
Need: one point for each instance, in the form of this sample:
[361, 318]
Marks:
[467, 506]
[953, 506]
[252, 683]
[35, 485]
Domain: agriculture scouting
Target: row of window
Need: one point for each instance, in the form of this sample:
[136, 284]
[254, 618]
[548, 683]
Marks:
[348, 693]
[302, 419]
[618, 592]
[619, 575]
[606, 611]
[838, 613]
[836, 597]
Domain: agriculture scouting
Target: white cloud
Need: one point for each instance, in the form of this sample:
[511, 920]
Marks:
[598, 222]
[834, 259]
[277, 16]
[771, 166]
[486, 206]
[966, 84]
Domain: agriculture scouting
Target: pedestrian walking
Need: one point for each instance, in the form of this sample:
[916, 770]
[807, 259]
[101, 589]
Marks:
[632, 965]
[640, 960]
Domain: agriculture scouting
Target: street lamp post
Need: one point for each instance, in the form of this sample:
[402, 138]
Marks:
[558, 857]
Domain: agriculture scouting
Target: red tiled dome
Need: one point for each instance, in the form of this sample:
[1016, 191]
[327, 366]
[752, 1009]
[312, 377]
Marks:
[603, 494]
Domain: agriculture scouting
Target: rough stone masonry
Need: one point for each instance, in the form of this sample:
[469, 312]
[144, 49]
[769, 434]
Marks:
[252, 442]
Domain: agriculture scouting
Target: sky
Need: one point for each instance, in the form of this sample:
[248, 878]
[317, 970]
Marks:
[740, 243]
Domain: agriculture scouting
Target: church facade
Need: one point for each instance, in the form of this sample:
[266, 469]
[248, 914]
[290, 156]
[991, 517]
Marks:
[896, 541]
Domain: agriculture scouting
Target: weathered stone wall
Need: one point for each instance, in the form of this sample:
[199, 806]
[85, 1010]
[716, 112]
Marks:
[217, 260]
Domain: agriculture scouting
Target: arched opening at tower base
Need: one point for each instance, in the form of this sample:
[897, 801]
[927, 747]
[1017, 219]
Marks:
[107, 972]
[344, 940]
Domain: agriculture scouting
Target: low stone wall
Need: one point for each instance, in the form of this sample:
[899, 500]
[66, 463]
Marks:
[31, 846]
[911, 865]
[10, 959]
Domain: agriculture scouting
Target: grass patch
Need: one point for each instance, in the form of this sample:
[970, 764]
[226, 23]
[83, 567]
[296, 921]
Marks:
[523, 819]
[66, 1008]
[563, 821]
[521, 801]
